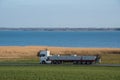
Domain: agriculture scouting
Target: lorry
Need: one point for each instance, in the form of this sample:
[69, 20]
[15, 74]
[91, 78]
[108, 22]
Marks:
[46, 58]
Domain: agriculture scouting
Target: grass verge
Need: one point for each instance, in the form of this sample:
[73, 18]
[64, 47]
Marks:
[59, 72]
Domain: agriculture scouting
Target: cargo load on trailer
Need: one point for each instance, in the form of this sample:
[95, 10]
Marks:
[46, 58]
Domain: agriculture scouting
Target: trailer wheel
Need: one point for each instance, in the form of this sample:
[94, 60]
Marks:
[87, 62]
[91, 62]
[52, 62]
[80, 62]
[75, 62]
[83, 62]
[59, 62]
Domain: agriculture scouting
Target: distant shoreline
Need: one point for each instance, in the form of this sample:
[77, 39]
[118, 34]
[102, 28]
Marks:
[61, 29]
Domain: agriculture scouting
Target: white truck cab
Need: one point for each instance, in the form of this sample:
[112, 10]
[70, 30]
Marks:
[44, 55]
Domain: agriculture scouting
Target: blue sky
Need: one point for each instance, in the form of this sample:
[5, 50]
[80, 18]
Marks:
[60, 13]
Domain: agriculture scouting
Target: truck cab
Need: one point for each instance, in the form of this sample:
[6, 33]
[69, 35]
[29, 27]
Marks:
[44, 57]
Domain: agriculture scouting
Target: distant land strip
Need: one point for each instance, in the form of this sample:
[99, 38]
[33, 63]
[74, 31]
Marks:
[62, 29]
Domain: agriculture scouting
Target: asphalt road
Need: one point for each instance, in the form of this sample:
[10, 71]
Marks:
[37, 64]
[107, 65]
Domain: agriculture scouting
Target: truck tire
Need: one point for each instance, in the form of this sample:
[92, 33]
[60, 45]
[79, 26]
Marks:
[75, 62]
[91, 62]
[54, 62]
[83, 62]
[80, 62]
[43, 62]
[88, 62]
[58, 62]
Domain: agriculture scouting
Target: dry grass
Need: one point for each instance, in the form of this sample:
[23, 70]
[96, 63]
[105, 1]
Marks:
[10, 52]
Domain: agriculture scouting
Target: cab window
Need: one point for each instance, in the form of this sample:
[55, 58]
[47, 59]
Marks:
[42, 55]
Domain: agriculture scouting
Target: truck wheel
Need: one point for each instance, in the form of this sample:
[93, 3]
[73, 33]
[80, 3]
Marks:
[58, 62]
[75, 62]
[90, 62]
[54, 62]
[43, 62]
[87, 62]
[83, 62]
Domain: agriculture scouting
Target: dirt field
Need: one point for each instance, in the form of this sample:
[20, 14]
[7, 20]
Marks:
[15, 52]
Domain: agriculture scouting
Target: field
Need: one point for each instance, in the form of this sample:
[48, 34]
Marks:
[22, 63]
[29, 54]
[59, 72]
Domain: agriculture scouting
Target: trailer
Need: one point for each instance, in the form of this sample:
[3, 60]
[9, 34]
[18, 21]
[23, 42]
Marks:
[46, 58]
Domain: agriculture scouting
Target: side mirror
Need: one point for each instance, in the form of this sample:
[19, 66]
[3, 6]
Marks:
[38, 54]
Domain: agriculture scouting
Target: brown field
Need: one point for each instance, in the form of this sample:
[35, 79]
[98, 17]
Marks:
[108, 55]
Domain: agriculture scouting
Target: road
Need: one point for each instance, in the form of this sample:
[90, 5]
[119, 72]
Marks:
[106, 65]
[37, 64]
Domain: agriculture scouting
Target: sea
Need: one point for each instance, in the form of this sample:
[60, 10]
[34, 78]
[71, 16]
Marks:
[84, 39]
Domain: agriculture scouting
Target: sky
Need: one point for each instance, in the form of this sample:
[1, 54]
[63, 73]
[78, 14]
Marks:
[60, 13]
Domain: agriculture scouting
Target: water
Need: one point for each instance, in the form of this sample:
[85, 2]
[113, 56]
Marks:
[109, 39]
